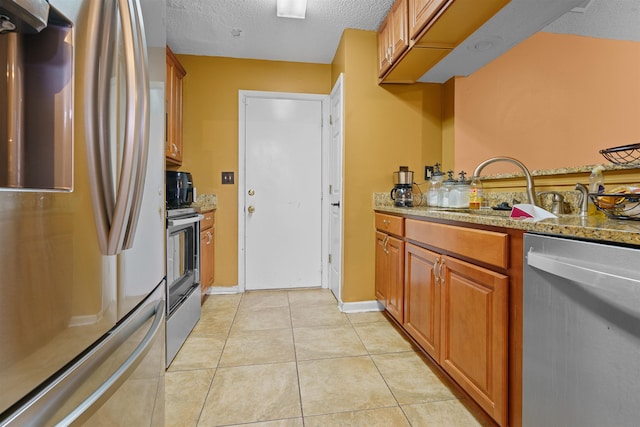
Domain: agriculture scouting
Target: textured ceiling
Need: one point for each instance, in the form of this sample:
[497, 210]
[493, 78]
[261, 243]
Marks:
[204, 27]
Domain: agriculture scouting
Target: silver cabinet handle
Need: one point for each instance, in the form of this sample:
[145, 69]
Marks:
[440, 271]
[385, 241]
[435, 270]
[209, 238]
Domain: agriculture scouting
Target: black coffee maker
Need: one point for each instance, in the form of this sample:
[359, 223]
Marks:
[402, 194]
[179, 187]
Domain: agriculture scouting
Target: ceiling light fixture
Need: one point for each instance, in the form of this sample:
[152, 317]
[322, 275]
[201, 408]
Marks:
[292, 8]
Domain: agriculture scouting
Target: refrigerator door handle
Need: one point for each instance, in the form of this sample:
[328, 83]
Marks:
[130, 151]
[102, 23]
[142, 113]
[92, 403]
[116, 215]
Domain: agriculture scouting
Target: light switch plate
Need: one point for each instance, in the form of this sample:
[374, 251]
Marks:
[227, 177]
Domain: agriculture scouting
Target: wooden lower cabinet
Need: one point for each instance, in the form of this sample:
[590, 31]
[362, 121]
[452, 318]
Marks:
[422, 299]
[382, 268]
[207, 250]
[390, 274]
[458, 313]
[474, 333]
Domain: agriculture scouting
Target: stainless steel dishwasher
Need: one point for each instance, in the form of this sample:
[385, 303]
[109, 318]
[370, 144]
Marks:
[581, 334]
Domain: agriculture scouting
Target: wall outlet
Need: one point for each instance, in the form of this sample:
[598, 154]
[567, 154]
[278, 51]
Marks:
[227, 177]
[428, 172]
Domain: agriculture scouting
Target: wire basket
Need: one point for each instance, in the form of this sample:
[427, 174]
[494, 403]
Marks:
[618, 205]
[623, 155]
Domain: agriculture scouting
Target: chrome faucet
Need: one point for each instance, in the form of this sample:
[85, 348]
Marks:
[531, 191]
[557, 207]
[584, 203]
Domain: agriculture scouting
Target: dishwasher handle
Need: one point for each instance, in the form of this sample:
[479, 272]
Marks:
[624, 290]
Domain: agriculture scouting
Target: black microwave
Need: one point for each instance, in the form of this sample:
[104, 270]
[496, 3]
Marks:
[179, 189]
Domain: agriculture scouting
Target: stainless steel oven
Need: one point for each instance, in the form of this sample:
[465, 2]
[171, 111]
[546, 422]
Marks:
[183, 276]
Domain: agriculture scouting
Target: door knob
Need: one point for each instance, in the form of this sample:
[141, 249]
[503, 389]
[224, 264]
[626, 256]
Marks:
[251, 209]
[251, 192]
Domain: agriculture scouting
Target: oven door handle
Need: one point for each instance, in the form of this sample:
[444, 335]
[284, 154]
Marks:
[184, 221]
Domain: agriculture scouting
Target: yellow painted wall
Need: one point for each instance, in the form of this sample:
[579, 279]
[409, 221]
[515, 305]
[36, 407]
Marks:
[385, 126]
[211, 131]
[553, 101]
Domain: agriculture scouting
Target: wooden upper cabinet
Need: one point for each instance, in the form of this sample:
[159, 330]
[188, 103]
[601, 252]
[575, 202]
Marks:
[433, 28]
[455, 20]
[173, 111]
[393, 36]
[384, 47]
[420, 13]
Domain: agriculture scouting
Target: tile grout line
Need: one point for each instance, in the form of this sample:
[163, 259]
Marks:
[215, 373]
[295, 358]
[379, 372]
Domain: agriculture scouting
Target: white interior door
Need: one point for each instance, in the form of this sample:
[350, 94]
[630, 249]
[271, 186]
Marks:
[335, 189]
[282, 202]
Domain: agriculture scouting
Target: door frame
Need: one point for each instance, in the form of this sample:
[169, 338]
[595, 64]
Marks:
[336, 92]
[243, 95]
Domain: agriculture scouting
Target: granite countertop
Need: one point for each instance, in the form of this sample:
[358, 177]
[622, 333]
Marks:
[593, 227]
[205, 203]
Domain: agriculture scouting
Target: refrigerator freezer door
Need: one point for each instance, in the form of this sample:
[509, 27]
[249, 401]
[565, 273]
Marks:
[124, 370]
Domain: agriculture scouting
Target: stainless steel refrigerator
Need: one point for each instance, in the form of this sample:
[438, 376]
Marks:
[82, 215]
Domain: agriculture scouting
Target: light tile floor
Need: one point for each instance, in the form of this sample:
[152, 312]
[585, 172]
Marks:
[291, 358]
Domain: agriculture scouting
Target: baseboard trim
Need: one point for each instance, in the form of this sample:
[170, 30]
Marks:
[221, 290]
[360, 306]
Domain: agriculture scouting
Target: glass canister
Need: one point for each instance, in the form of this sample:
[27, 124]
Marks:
[459, 197]
[436, 182]
[445, 190]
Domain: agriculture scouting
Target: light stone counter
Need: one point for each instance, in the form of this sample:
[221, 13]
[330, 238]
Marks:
[595, 228]
[205, 202]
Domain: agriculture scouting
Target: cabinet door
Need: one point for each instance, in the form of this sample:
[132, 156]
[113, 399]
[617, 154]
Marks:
[395, 298]
[393, 36]
[474, 341]
[420, 13]
[173, 114]
[207, 254]
[384, 48]
[382, 268]
[422, 299]
[399, 29]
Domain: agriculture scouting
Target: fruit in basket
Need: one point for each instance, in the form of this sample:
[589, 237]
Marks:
[610, 199]
[616, 198]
